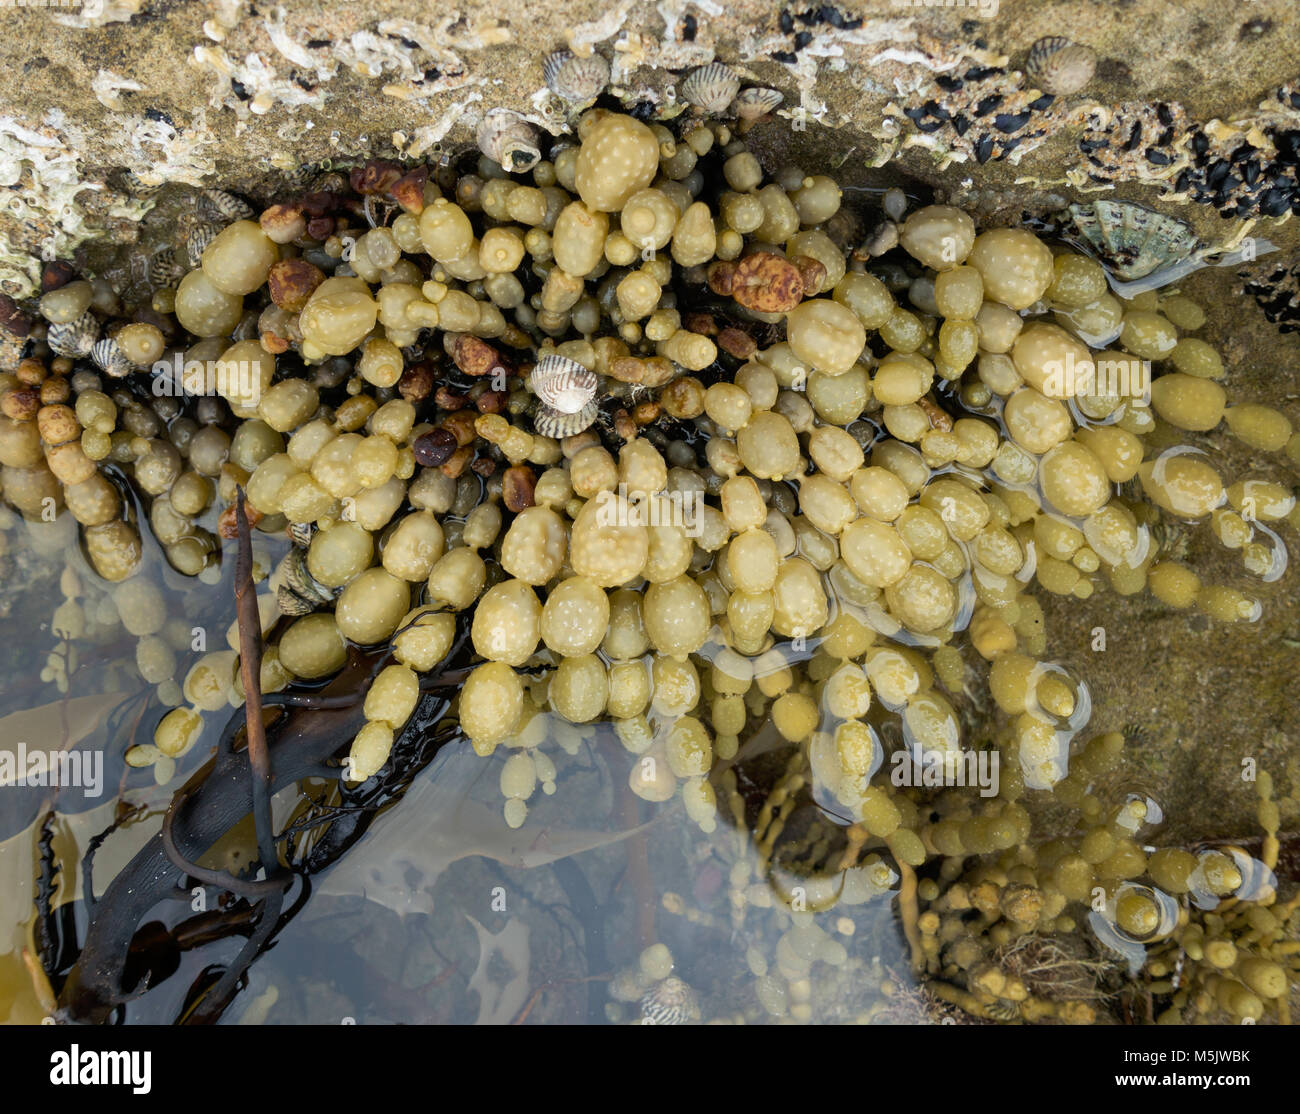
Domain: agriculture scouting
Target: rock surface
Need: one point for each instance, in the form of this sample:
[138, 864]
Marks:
[231, 92]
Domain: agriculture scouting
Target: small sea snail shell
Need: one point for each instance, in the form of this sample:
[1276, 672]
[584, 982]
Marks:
[110, 359]
[290, 603]
[507, 138]
[165, 270]
[73, 338]
[200, 234]
[670, 1002]
[219, 205]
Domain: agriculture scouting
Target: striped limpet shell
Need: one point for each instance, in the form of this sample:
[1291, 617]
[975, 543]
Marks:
[1059, 66]
[301, 533]
[711, 88]
[218, 205]
[577, 80]
[133, 184]
[557, 424]
[165, 269]
[290, 603]
[110, 359]
[300, 581]
[330, 181]
[74, 339]
[670, 1002]
[750, 104]
[507, 138]
[563, 384]
[197, 240]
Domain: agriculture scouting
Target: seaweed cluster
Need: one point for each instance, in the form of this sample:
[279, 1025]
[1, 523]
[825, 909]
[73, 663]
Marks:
[628, 410]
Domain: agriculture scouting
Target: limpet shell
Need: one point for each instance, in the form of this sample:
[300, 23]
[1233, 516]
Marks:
[74, 338]
[1132, 240]
[757, 101]
[133, 184]
[711, 88]
[563, 384]
[507, 138]
[165, 270]
[109, 358]
[197, 240]
[290, 603]
[301, 533]
[577, 80]
[218, 205]
[1059, 66]
[300, 581]
[556, 423]
[670, 1002]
